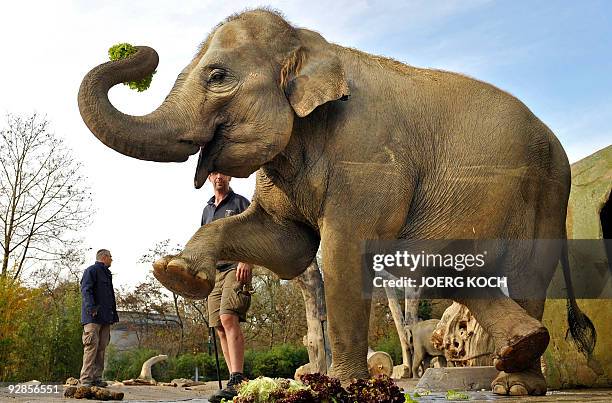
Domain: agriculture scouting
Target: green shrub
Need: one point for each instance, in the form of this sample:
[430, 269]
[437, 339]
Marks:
[424, 312]
[249, 358]
[45, 338]
[208, 368]
[66, 338]
[122, 51]
[390, 344]
[123, 365]
[279, 361]
[183, 366]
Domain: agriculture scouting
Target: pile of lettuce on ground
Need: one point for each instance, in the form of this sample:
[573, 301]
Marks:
[319, 388]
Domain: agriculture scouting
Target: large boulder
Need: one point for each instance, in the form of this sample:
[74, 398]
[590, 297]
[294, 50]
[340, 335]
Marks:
[588, 218]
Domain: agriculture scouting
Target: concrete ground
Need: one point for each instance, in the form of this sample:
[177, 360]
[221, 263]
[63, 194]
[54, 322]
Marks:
[566, 395]
[200, 394]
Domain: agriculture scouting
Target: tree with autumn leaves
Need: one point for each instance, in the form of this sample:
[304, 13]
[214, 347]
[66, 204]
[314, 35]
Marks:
[44, 202]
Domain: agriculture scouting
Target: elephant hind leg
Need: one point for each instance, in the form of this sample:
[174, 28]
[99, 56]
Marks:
[532, 295]
[527, 382]
[522, 350]
[519, 338]
[515, 322]
[416, 362]
[530, 381]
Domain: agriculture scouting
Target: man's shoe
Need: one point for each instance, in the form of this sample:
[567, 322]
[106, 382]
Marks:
[100, 383]
[227, 393]
[236, 379]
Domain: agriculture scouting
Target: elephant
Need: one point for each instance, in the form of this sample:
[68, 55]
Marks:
[419, 341]
[350, 147]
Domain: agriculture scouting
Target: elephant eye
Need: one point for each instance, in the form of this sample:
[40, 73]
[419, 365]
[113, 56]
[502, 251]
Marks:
[217, 76]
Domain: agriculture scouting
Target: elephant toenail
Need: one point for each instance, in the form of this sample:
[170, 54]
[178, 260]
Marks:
[160, 264]
[505, 351]
[499, 390]
[518, 390]
[177, 264]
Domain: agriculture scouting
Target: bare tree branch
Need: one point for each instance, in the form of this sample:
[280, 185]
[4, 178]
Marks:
[43, 198]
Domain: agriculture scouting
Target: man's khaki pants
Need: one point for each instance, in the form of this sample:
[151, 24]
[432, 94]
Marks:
[95, 340]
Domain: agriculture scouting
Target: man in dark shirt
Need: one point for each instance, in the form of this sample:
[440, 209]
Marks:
[227, 304]
[98, 312]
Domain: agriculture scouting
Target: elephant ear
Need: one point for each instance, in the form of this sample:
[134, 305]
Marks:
[313, 75]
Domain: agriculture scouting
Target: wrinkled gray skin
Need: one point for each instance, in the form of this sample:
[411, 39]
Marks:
[414, 153]
[419, 341]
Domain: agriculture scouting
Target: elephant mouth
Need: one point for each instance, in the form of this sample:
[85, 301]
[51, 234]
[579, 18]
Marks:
[202, 170]
[205, 160]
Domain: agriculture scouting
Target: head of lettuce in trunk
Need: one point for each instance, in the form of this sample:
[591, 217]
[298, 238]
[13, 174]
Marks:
[122, 51]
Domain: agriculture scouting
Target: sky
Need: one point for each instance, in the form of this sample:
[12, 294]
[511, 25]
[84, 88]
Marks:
[554, 56]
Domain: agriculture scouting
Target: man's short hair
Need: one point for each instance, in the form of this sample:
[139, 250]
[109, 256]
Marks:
[101, 253]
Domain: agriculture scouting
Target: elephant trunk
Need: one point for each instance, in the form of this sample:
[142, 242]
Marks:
[153, 137]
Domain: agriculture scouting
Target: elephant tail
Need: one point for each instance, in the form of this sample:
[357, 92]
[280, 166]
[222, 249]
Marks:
[581, 328]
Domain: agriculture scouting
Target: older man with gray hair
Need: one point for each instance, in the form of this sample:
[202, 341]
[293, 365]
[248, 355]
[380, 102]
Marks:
[98, 312]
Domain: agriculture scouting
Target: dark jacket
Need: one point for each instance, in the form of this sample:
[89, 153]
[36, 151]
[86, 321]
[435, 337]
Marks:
[98, 297]
[232, 204]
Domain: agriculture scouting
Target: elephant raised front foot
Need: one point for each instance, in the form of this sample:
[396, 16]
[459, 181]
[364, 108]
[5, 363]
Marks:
[528, 382]
[175, 274]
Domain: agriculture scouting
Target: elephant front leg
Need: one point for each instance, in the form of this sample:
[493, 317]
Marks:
[283, 246]
[348, 310]
[191, 274]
